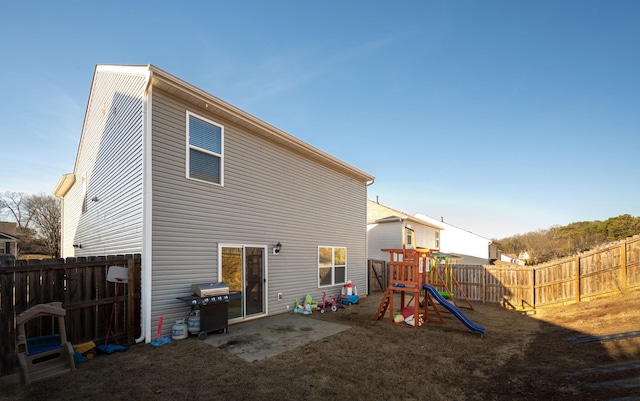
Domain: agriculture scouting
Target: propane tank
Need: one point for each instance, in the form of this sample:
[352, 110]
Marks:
[179, 330]
[194, 322]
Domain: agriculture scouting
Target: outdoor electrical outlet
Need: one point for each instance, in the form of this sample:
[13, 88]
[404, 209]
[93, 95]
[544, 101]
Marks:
[279, 296]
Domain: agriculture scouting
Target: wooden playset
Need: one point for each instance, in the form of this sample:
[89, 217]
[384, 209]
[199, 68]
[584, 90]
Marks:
[440, 275]
[423, 280]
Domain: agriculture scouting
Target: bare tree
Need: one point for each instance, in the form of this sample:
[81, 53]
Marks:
[44, 211]
[38, 219]
[14, 205]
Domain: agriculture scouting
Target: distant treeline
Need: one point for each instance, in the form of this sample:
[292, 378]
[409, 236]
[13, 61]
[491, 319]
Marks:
[561, 241]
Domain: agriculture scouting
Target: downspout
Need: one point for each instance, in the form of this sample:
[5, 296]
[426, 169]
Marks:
[366, 239]
[145, 299]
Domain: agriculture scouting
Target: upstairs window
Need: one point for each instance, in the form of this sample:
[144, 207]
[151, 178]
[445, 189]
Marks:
[204, 149]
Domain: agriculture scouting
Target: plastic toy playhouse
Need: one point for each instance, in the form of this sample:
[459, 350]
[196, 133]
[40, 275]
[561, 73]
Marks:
[349, 294]
[45, 356]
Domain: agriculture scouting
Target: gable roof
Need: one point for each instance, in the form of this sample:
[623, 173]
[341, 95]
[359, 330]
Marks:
[429, 219]
[162, 80]
[377, 213]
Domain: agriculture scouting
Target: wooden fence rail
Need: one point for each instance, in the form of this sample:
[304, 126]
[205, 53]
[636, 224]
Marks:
[610, 269]
[82, 287]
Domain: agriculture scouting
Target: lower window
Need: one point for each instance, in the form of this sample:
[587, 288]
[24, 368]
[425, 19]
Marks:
[332, 266]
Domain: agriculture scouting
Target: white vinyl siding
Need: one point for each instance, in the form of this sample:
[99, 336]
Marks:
[426, 237]
[384, 236]
[110, 153]
[271, 194]
[390, 235]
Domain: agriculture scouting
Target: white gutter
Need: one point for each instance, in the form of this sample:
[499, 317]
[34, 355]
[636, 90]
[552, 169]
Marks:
[145, 299]
[366, 241]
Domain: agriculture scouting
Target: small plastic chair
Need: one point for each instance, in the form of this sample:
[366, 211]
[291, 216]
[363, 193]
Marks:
[45, 356]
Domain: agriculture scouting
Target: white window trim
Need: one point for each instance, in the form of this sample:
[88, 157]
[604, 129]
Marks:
[333, 266]
[189, 147]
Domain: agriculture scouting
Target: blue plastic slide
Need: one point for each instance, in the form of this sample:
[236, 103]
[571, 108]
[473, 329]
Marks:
[452, 308]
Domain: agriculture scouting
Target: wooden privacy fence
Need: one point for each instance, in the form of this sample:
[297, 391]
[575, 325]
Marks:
[610, 269]
[606, 270]
[82, 287]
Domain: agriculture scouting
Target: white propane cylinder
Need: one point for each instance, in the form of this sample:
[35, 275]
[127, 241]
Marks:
[179, 330]
[194, 322]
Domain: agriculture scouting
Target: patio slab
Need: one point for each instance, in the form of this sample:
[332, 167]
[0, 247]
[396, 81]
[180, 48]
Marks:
[270, 336]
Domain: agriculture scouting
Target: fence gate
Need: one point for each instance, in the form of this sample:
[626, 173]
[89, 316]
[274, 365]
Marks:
[378, 275]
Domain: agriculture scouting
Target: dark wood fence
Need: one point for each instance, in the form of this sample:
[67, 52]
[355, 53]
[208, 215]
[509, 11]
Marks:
[378, 275]
[82, 287]
[610, 269]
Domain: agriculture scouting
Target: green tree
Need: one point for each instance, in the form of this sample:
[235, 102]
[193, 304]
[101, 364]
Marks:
[561, 241]
[621, 227]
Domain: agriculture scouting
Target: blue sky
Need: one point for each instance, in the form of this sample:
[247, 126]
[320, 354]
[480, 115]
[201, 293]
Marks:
[502, 117]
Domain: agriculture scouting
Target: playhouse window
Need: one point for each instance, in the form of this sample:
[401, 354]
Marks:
[204, 149]
[332, 266]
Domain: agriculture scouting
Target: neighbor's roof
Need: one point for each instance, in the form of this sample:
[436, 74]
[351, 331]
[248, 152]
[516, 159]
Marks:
[177, 87]
[377, 213]
[7, 237]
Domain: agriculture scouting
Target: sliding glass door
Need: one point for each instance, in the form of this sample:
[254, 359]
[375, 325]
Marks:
[243, 269]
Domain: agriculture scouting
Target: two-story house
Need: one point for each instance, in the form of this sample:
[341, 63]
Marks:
[206, 192]
[387, 229]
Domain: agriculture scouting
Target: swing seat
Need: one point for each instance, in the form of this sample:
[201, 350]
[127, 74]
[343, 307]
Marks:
[44, 356]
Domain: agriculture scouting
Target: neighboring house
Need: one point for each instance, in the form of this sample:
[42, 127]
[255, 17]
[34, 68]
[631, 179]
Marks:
[208, 193]
[512, 259]
[8, 240]
[472, 248]
[386, 229]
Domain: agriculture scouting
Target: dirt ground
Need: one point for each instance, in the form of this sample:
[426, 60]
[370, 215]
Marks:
[524, 356]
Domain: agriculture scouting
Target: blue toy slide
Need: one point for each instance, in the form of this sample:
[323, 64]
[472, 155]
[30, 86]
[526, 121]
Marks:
[452, 308]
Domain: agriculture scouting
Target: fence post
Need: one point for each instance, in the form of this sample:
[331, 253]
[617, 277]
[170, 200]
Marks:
[577, 266]
[623, 265]
[533, 287]
[484, 283]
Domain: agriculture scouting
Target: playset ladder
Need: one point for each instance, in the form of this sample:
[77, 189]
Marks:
[384, 304]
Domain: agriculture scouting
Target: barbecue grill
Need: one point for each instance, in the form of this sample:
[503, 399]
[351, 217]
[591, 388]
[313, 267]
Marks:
[213, 301]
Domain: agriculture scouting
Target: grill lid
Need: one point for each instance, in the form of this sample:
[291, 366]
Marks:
[210, 289]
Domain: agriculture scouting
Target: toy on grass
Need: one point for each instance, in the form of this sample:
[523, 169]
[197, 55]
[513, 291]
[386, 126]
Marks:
[304, 308]
[87, 350]
[160, 339]
[47, 356]
[309, 300]
[333, 304]
[407, 316]
[349, 294]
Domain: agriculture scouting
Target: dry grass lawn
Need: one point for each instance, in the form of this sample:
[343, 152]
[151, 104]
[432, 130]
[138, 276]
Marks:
[523, 357]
